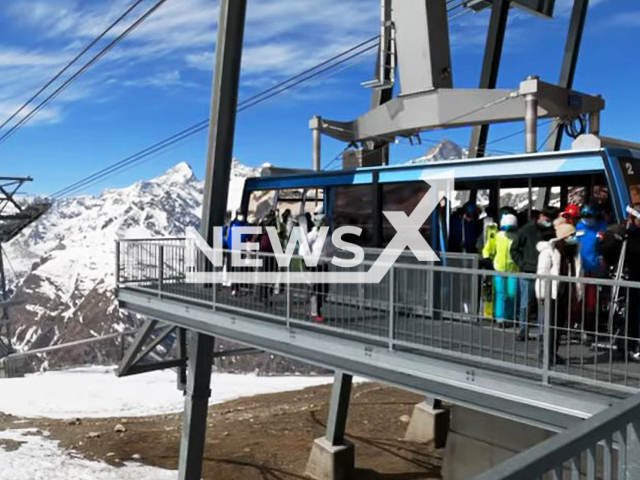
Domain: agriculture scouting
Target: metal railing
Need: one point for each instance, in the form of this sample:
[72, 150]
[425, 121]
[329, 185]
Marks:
[605, 446]
[104, 350]
[566, 330]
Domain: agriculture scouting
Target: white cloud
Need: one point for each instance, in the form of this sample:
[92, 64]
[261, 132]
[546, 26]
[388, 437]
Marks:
[564, 7]
[626, 19]
[46, 116]
[281, 38]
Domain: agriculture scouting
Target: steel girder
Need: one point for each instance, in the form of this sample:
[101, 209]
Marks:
[444, 108]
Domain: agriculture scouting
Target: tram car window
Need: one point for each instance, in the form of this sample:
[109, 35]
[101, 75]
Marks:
[631, 172]
[402, 197]
[261, 202]
[353, 205]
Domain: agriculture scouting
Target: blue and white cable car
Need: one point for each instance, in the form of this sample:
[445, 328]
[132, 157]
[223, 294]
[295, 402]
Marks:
[609, 176]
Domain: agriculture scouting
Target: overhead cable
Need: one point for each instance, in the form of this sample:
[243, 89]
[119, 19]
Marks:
[252, 101]
[74, 60]
[79, 72]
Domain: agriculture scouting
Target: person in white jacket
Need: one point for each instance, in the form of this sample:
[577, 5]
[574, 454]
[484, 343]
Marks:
[324, 250]
[557, 257]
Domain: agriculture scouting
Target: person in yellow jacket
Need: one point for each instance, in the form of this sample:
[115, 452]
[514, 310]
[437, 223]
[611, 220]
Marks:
[498, 251]
[488, 252]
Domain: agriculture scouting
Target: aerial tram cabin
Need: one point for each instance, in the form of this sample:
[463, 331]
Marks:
[608, 176]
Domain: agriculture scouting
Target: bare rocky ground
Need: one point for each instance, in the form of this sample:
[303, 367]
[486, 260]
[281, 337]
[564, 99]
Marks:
[266, 437]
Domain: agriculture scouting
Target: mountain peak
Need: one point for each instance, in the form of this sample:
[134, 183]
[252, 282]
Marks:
[181, 172]
[443, 150]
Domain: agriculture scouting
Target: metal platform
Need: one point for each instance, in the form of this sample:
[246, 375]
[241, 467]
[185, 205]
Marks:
[399, 332]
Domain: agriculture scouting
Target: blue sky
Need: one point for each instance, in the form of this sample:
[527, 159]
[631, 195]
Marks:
[157, 81]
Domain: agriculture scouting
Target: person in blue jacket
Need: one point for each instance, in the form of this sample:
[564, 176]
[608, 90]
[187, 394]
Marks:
[238, 221]
[589, 231]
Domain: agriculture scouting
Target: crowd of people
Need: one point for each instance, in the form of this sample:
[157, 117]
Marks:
[283, 223]
[577, 242]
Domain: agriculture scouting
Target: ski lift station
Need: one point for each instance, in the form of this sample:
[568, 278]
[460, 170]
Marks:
[498, 404]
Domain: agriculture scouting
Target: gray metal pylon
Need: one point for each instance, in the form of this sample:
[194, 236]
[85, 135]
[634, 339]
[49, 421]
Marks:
[569, 64]
[338, 408]
[332, 457]
[5, 325]
[222, 119]
[490, 68]
[380, 96]
[196, 404]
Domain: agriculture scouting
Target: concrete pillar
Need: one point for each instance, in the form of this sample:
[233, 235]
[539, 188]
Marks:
[332, 457]
[315, 124]
[429, 422]
[478, 441]
[531, 120]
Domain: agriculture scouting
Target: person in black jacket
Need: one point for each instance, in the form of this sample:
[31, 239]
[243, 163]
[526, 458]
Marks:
[465, 229]
[610, 247]
[524, 253]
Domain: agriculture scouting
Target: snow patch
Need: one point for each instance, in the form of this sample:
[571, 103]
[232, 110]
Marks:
[96, 392]
[38, 457]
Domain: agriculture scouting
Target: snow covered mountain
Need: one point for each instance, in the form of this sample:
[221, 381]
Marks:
[63, 264]
[443, 150]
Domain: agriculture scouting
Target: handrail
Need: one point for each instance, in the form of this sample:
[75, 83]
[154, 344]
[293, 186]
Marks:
[150, 239]
[460, 270]
[551, 454]
[74, 343]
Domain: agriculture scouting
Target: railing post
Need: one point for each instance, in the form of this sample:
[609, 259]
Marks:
[633, 450]
[391, 306]
[288, 287]
[160, 268]
[214, 283]
[546, 337]
[475, 307]
[620, 437]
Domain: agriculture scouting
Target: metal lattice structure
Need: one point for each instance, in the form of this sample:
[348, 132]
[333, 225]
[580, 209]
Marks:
[14, 217]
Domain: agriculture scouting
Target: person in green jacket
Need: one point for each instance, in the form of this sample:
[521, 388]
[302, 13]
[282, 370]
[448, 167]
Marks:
[500, 252]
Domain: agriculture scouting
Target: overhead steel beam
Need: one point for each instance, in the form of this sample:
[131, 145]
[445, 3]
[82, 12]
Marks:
[569, 63]
[447, 108]
[475, 386]
[422, 38]
[490, 68]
